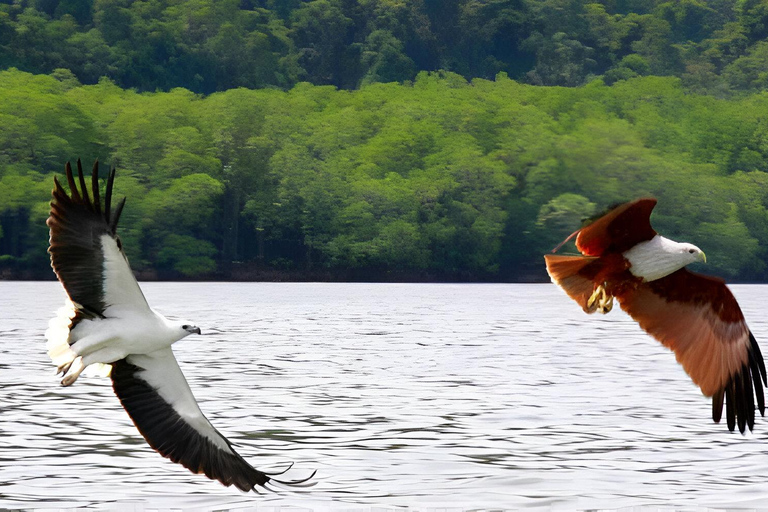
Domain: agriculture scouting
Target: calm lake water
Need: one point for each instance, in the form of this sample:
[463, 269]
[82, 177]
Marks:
[433, 396]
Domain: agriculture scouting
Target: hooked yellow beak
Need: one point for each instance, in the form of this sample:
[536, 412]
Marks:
[703, 256]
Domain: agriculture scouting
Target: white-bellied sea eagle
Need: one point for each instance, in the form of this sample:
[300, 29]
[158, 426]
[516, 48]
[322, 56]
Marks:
[107, 320]
[695, 316]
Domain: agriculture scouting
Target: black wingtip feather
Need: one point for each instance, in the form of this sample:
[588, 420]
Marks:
[57, 188]
[278, 473]
[71, 182]
[108, 195]
[95, 187]
[76, 222]
[116, 215]
[83, 187]
[741, 402]
[758, 385]
[303, 482]
[750, 399]
[717, 406]
[742, 391]
[759, 357]
[730, 406]
[79, 194]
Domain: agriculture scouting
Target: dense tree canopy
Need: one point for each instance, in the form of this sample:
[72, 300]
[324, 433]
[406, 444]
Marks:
[714, 46]
[436, 177]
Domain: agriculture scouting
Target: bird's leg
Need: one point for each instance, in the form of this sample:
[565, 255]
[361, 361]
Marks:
[63, 368]
[76, 368]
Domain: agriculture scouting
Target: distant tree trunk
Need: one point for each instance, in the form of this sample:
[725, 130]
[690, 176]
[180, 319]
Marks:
[308, 255]
[15, 225]
[260, 240]
[230, 247]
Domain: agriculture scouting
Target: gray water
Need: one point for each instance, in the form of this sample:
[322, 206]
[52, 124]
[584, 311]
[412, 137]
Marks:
[440, 396]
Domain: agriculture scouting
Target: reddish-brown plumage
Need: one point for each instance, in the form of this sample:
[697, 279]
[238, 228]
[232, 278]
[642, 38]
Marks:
[695, 316]
[698, 320]
[618, 230]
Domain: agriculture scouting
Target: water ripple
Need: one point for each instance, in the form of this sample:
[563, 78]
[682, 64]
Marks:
[424, 396]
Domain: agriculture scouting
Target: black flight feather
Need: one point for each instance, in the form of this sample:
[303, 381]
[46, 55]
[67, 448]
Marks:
[95, 187]
[742, 391]
[758, 385]
[71, 181]
[108, 195]
[741, 402]
[171, 436]
[84, 189]
[116, 215]
[717, 406]
[758, 356]
[730, 406]
[174, 438]
[77, 225]
[750, 397]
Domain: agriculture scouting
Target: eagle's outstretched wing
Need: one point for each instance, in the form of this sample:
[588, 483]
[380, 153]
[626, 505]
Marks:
[86, 253]
[157, 397]
[698, 318]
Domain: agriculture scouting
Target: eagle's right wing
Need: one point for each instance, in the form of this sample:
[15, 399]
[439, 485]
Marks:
[86, 253]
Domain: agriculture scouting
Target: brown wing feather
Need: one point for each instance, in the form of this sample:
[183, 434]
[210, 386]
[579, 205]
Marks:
[698, 318]
[618, 230]
[574, 274]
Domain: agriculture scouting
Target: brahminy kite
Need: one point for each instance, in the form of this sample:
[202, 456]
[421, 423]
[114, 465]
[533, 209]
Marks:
[107, 320]
[694, 315]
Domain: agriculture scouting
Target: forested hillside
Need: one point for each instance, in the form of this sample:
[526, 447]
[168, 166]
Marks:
[714, 46]
[438, 177]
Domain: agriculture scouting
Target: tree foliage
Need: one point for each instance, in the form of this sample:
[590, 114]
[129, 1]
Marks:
[436, 177]
[716, 46]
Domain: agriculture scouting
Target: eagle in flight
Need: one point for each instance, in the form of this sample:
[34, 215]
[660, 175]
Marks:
[694, 315]
[107, 320]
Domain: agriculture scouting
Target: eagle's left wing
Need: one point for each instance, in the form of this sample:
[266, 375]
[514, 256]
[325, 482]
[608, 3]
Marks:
[698, 318]
[157, 397]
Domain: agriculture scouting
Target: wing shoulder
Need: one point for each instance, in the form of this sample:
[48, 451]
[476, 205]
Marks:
[619, 229]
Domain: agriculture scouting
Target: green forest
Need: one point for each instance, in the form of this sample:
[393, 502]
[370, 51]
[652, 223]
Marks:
[385, 139]
[713, 46]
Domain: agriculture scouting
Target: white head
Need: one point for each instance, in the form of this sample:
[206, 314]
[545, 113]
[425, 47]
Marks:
[691, 253]
[659, 257]
[184, 329]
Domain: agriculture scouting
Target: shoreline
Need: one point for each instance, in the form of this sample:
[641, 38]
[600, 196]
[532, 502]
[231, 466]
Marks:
[303, 276]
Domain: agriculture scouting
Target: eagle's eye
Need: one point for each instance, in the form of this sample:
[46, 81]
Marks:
[691, 251]
[185, 327]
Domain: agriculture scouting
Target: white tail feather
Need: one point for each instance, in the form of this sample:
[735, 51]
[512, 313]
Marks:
[57, 335]
[57, 341]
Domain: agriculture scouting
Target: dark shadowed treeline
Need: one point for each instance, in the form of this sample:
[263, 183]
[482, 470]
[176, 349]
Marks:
[439, 178]
[714, 46]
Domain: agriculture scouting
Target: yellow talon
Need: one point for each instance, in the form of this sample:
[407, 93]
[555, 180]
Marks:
[599, 301]
[594, 298]
[606, 304]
